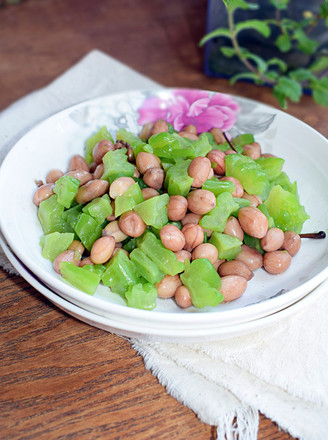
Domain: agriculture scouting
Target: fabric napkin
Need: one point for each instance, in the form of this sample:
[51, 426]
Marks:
[280, 371]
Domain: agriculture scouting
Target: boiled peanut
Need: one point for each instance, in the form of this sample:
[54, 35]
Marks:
[102, 250]
[113, 230]
[154, 178]
[253, 221]
[233, 228]
[217, 156]
[146, 161]
[235, 267]
[70, 256]
[232, 287]
[182, 297]
[183, 255]
[252, 150]
[77, 162]
[148, 193]
[172, 238]
[194, 236]
[167, 286]
[276, 262]
[54, 175]
[251, 257]
[291, 243]
[131, 224]
[91, 190]
[201, 201]
[120, 185]
[199, 169]
[100, 149]
[177, 208]
[273, 240]
[42, 193]
[205, 250]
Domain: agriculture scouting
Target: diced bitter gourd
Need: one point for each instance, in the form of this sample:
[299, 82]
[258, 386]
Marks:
[88, 230]
[146, 267]
[154, 211]
[285, 209]
[55, 243]
[99, 208]
[80, 277]
[141, 296]
[228, 247]
[91, 142]
[127, 201]
[203, 283]
[50, 214]
[66, 188]
[247, 171]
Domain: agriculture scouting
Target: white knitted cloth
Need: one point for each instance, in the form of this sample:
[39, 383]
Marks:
[281, 371]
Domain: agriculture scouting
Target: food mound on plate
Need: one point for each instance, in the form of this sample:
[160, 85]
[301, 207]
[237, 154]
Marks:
[168, 214]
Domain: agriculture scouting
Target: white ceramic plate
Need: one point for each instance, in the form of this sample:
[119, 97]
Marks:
[53, 142]
[167, 333]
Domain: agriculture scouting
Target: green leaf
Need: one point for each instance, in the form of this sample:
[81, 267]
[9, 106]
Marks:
[261, 64]
[232, 5]
[283, 42]
[277, 62]
[301, 75]
[289, 88]
[324, 9]
[228, 51]
[245, 75]
[256, 25]
[319, 64]
[281, 98]
[219, 32]
[305, 44]
[280, 4]
[272, 75]
[320, 91]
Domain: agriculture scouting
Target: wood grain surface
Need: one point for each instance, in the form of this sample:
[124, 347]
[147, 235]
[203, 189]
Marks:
[60, 378]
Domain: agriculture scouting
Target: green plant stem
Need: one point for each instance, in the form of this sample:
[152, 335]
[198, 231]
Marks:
[237, 48]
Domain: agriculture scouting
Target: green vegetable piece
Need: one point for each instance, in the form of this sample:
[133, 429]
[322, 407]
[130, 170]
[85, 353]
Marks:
[153, 211]
[142, 296]
[54, 244]
[116, 165]
[146, 267]
[202, 146]
[262, 207]
[66, 188]
[169, 146]
[99, 208]
[217, 218]
[80, 277]
[91, 142]
[288, 214]
[50, 214]
[285, 183]
[271, 166]
[120, 273]
[88, 230]
[203, 283]
[129, 244]
[242, 140]
[70, 217]
[177, 180]
[242, 203]
[247, 171]
[99, 269]
[165, 259]
[218, 187]
[228, 247]
[136, 143]
[127, 201]
[253, 242]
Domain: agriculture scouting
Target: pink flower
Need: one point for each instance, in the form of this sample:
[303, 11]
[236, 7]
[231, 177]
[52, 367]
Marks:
[188, 106]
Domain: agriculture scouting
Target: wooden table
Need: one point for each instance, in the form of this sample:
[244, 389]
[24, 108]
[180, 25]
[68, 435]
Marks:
[61, 378]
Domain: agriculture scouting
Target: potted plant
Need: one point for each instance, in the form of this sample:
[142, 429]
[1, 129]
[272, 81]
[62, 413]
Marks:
[280, 43]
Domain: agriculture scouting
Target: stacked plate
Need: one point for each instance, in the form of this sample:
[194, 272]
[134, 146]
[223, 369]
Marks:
[267, 299]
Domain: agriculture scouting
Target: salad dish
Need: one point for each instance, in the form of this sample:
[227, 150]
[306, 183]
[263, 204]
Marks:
[177, 206]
